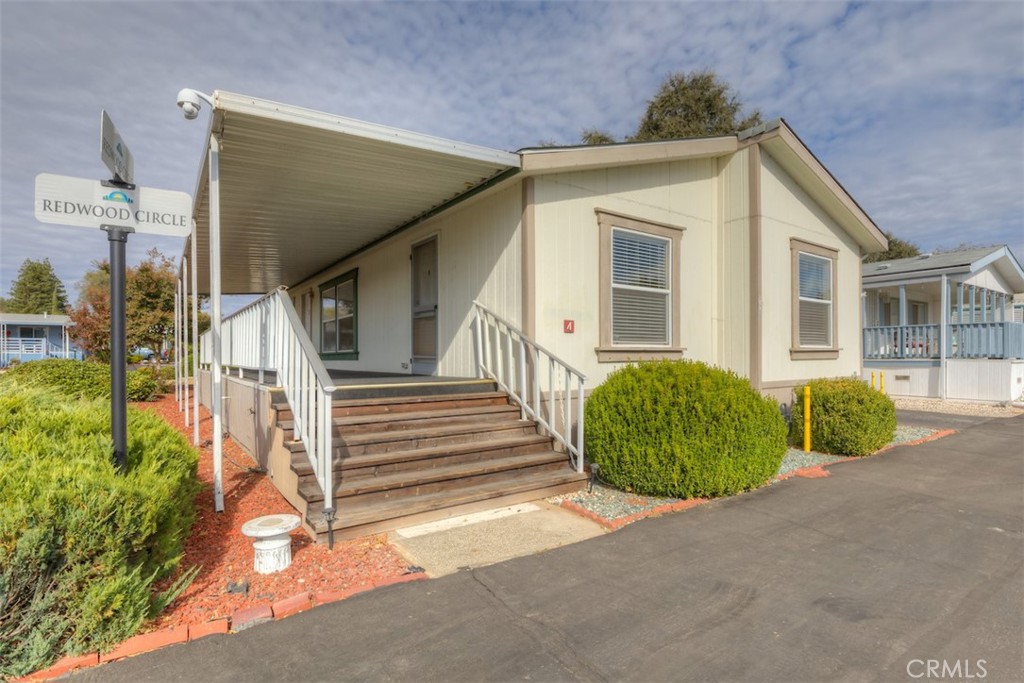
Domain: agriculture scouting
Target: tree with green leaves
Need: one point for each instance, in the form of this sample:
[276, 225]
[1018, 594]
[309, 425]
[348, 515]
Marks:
[898, 248]
[695, 104]
[37, 290]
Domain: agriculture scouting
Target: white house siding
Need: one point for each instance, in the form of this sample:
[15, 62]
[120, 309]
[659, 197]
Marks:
[789, 212]
[733, 264]
[682, 193]
[478, 258]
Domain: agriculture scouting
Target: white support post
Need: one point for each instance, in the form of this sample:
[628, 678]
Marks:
[195, 337]
[960, 302]
[579, 425]
[184, 338]
[215, 352]
[522, 378]
[903, 305]
[943, 332]
[177, 326]
[479, 344]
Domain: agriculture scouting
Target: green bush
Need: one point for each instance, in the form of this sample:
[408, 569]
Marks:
[847, 417]
[80, 545]
[82, 379]
[683, 429]
[142, 385]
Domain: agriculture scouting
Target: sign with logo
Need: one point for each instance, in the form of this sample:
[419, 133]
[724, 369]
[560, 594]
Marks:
[86, 203]
[114, 153]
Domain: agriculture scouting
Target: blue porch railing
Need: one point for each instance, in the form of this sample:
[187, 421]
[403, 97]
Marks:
[33, 348]
[963, 340]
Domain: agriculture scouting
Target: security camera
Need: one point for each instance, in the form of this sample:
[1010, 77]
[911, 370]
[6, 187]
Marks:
[191, 101]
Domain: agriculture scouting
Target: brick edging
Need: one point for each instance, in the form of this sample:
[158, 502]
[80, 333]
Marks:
[240, 619]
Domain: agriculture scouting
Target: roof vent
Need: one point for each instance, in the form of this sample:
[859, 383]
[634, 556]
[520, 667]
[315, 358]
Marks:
[924, 256]
[884, 266]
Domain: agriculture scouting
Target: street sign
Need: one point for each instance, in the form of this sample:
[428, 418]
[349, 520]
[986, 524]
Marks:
[86, 203]
[114, 153]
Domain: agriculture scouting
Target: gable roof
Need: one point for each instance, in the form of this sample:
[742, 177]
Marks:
[964, 262]
[35, 319]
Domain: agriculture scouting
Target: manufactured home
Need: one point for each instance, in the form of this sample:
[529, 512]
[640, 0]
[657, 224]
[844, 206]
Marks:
[25, 337]
[434, 313]
[946, 325]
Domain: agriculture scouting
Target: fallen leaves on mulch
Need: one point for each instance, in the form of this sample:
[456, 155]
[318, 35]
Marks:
[225, 555]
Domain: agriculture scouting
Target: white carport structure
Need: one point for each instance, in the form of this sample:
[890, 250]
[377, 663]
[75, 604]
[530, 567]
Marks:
[283, 193]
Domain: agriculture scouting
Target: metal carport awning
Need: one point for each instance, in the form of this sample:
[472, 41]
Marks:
[301, 189]
[291, 191]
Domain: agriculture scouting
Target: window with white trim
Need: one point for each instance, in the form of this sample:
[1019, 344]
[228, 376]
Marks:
[814, 309]
[815, 301]
[639, 288]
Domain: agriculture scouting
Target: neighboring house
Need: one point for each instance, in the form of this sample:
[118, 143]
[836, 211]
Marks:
[946, 325]
[405, 254]
[25, 337]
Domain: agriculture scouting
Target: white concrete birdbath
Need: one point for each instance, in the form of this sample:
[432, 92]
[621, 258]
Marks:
[271, 541]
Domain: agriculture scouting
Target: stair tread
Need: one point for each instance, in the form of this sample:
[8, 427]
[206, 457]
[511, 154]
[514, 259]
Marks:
[373, 418]
[425, 398]
[375, 459]
[383, 436]
[351, 513]
[310, 490]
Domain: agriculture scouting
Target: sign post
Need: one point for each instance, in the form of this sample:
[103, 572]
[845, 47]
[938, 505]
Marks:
[119, 208]
[118, 237]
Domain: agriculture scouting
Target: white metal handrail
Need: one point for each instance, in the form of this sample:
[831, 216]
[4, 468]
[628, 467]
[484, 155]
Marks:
[267, 335]
[516, 363]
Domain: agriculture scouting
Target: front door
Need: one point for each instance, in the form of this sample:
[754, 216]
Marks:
[424, 308]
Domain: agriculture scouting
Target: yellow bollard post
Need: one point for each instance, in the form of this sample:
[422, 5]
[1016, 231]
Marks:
[881, 376]
[807, 418]
[872, 380]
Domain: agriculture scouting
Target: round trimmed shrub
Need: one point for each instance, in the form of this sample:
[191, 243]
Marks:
[683, 429]
[847, 417]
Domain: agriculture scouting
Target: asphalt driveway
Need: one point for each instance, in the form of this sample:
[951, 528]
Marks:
[872, 574]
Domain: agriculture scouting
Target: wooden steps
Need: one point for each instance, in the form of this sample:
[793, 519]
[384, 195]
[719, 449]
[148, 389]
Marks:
[423, 451]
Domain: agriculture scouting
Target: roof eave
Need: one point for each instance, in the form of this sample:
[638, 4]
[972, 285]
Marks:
[782, 140]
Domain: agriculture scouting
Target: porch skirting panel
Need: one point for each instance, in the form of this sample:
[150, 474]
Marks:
[247, 415]
[988, 380]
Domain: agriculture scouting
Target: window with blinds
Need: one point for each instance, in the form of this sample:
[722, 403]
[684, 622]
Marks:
[641, 288]
[815, 301]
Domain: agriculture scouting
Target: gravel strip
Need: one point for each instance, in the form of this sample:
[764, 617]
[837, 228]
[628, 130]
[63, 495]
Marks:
[935, 405]
[612, 504]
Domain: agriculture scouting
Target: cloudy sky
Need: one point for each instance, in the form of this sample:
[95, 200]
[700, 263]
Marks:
[917, 108]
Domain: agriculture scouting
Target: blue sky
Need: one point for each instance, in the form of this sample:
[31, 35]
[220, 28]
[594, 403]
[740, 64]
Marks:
[917, 108]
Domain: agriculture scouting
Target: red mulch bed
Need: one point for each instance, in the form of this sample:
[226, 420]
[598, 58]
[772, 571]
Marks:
[225, 555]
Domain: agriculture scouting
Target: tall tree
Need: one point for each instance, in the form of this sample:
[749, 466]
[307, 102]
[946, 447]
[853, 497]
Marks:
[149, 306]
[693, 105]
[898, 248]
[37, 289]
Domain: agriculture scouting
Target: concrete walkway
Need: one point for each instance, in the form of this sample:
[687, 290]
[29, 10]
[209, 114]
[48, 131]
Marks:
[892, 561]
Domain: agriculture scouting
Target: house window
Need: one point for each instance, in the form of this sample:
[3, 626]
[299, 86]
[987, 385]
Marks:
[640, 285]
[339, 317]
[814, 314]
